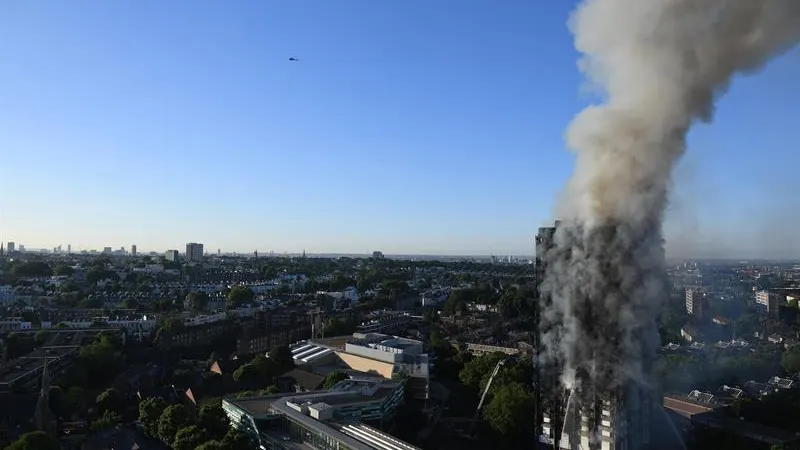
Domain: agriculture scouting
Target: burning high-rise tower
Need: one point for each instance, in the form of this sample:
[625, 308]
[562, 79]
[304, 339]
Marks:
[660, 64]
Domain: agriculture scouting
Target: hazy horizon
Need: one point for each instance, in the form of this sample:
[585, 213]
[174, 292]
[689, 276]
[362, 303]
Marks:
[775, 256]
[413, 128]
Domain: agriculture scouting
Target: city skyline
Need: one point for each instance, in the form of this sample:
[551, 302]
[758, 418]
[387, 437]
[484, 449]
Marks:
[410, 128]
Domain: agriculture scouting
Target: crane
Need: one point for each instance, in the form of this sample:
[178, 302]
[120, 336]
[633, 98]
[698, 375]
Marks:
[486, 390]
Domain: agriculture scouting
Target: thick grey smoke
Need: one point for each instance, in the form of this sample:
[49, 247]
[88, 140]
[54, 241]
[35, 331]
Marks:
[660, 64]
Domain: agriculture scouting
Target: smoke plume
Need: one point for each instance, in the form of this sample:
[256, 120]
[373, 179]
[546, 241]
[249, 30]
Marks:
[660, 65]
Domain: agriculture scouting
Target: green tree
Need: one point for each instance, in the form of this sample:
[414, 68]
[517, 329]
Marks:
[282, 356]
[64, 270]
[188, 438]
[510, 409]
[75, 399]
[212, 445]
[258, 373]
[56, 400]
[108, 420]
[168, 325]
[247, 374]
[339, 327]
[32, 269]
[475, 373]
[214, 420]
[791, 359]
[95, 274]
[270, 390]
[110, 400]
[458, 300]
[438, 344]
[97, 362]
[239, 295]
[150, 410]
[332, 378]
[42, 336]
[236, 439]
[197, 301]
[172, 419]
[36, 440]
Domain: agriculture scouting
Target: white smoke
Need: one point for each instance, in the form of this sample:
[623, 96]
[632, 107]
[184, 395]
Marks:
[660, 64]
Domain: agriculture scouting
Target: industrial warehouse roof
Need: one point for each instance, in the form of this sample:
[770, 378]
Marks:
[374, 438]
[307, 352]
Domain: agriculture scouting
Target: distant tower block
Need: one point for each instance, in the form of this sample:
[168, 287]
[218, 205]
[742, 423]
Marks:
[194, 252]
[317, 326]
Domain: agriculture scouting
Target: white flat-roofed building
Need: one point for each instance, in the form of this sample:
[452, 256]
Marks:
[383, 355]
[324, 420]
[383, 347]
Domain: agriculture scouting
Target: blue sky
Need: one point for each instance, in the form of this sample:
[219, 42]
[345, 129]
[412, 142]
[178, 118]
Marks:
[409, 127]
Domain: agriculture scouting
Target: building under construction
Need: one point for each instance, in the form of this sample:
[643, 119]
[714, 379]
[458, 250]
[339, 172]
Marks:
[596, 411]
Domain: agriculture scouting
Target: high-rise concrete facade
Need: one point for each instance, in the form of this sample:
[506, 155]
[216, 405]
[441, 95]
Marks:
[694, 302]
[548, 390]
[194, 252]
[587, 415]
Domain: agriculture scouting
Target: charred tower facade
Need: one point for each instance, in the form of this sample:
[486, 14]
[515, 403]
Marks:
[549, 393]
[597, 353]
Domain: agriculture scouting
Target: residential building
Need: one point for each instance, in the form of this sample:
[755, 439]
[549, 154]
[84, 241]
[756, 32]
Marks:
[618, 421]
[767, 302]
[11, 247]
[15, 324]
[267, 330]
[386, 322]
[172, 255]
[695, 299]
[197, 334]
[6, 293]
[194, 252]
[482, 349]
[599, 412]
[133, 250]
